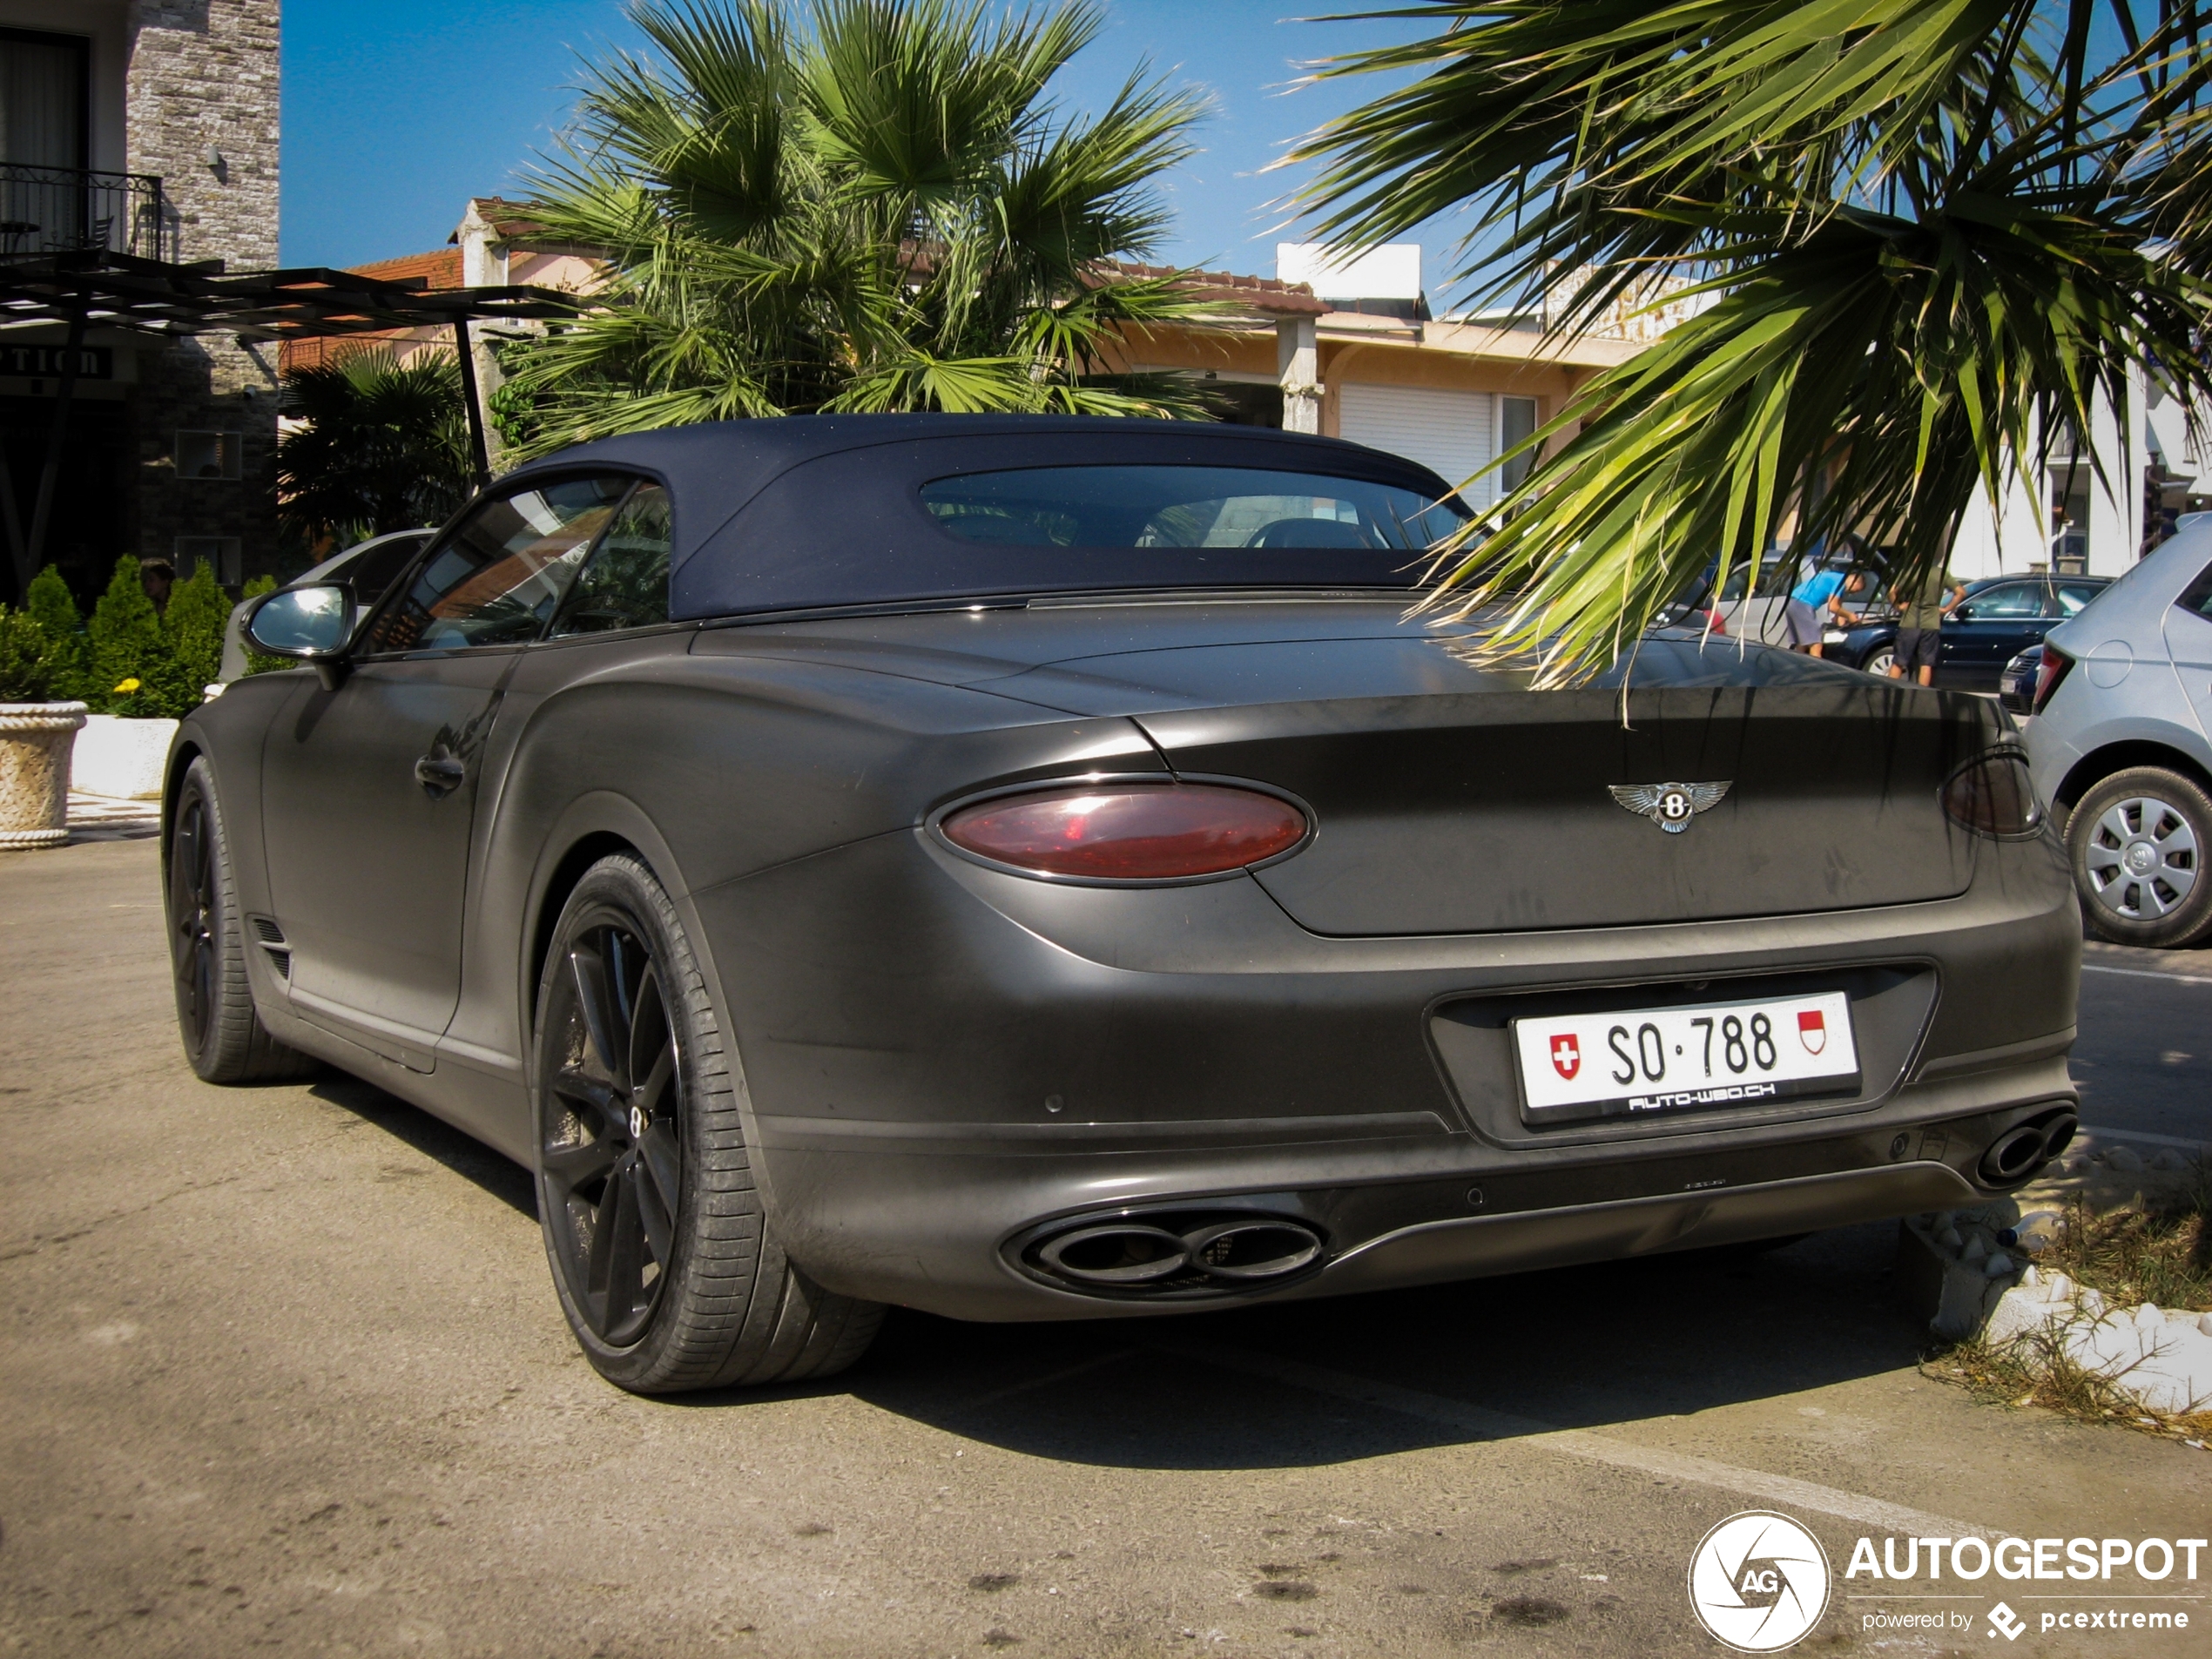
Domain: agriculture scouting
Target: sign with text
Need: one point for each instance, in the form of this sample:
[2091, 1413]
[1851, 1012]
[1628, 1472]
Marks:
[48, 362]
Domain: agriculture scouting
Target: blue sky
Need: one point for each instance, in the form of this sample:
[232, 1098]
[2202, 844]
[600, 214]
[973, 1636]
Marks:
[394, 114]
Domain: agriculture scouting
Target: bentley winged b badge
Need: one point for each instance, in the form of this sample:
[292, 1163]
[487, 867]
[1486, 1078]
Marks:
[1669, 806]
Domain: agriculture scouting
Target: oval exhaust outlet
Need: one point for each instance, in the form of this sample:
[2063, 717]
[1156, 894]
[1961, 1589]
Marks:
[1122, 1252]
[1251, 1250]
[1181, 1255]
[2015, 1155]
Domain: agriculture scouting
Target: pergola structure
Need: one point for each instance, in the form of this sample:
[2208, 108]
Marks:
[157, 297]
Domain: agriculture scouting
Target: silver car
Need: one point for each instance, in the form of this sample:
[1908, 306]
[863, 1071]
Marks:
[2119, 745]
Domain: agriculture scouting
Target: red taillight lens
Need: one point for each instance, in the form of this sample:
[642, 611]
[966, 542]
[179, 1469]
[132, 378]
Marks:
[1993, 796]
[2048, 673]
[1129, 831]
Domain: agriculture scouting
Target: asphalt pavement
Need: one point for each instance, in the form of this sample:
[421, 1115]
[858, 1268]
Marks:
[2143, 1060]
[283, 1371]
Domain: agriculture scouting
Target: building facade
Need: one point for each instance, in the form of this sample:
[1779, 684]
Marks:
[2101, 499]
[147, 127]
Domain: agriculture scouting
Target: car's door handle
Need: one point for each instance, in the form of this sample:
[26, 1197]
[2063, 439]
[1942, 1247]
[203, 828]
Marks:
[440, 774]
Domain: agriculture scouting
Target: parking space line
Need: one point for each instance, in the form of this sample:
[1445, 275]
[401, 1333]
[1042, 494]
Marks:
[1579, 1443]
[2143, 973]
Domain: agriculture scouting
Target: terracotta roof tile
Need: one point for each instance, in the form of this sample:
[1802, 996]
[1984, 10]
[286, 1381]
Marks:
[1271, 294]
[441, 269]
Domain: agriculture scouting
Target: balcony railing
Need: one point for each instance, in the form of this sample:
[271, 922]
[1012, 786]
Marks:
[64, 210]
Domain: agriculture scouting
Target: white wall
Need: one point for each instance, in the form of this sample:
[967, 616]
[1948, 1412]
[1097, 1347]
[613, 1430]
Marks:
[1391, 271]
[2016, 538]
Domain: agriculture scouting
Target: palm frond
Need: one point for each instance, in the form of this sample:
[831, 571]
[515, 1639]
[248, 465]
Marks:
[875, 207]
[1936, 236]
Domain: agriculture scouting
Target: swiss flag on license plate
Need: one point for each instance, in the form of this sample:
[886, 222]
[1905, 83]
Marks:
[1566, 1057]
[1812, 1031]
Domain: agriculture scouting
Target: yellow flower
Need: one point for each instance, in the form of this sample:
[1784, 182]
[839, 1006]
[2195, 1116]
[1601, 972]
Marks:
[128, 685]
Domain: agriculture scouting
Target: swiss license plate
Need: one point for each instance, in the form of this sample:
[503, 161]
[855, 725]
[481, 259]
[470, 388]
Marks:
[1630, 1063]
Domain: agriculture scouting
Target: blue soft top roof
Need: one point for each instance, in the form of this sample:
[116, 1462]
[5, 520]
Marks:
[815, 510]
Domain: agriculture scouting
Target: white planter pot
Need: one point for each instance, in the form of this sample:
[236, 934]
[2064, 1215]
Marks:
[122, 758]
[35, 740]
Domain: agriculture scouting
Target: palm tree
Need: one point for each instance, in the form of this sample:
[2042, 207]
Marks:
[875, 209]
[1935, 235]
[382, 445]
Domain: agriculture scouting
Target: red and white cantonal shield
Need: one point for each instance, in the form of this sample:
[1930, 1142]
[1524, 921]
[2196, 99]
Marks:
[1567, 1056]
[1812, 1031]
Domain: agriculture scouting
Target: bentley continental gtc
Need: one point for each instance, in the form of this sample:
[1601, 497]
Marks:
[1034, 868]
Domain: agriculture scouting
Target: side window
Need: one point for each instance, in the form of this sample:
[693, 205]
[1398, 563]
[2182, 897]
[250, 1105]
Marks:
[2197, 596]
[383, 565]
[626, 583]
[2012, 599]
[504, 569]
[2073, 596]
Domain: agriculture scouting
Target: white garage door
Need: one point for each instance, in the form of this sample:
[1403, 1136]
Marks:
[1451, 432]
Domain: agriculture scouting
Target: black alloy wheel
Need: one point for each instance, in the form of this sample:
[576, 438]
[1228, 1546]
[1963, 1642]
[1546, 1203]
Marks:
[612, 1158]
[667, 1269]
[193, 919]
[222, 1030]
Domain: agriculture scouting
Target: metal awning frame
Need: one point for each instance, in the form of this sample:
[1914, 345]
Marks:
[168, 301]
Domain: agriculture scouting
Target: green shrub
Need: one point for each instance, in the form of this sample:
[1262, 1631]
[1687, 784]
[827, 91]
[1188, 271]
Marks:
[191, 627]
[130, 658]
[53, 607]
[26, 658]
[261, 662]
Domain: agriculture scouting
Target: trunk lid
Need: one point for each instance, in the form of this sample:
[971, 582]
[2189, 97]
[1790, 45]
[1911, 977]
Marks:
[1450, 798]
[1488, 812]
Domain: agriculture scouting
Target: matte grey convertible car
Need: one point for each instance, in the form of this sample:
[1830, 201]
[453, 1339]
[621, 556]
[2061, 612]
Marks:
[1030, 869]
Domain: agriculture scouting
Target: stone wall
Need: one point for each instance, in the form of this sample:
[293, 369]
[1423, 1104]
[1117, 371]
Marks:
[203, 115]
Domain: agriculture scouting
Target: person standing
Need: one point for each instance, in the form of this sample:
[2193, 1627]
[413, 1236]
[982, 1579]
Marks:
[1812, 604]
[1919, 625]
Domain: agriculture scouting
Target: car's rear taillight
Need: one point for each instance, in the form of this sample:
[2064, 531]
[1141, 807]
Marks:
[2048, 673]
[1128, 832]
[1992, 795]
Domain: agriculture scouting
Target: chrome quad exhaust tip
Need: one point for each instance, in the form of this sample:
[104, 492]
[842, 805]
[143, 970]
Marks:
[1183, 1254]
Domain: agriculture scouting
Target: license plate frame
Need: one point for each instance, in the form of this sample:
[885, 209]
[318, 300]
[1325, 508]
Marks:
[1694, 1067]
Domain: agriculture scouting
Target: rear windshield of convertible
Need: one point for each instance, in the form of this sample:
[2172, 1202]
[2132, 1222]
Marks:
[1168, 507]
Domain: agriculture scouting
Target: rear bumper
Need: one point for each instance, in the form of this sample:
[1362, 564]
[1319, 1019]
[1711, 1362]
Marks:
[944, 1230]
[942, 1060]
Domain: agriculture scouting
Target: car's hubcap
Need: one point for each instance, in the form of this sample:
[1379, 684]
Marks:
[191, 910]
[2141, 859]
[612, 1159]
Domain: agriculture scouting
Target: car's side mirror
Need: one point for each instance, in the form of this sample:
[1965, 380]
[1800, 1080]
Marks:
[1962, 613]
[313, 626]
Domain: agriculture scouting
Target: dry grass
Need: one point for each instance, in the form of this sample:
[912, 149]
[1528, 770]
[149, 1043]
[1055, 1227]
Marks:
[2143, 1252]
[2159, 1252]
[2036, 1370]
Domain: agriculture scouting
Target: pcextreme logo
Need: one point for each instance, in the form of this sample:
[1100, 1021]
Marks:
[1758, 1582]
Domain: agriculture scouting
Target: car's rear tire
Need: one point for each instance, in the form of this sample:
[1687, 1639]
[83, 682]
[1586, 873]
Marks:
[2138, 842]
[223, 1034]
[666, 1268]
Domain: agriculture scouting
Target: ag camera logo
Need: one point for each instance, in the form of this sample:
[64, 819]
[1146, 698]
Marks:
[1758, 1582]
